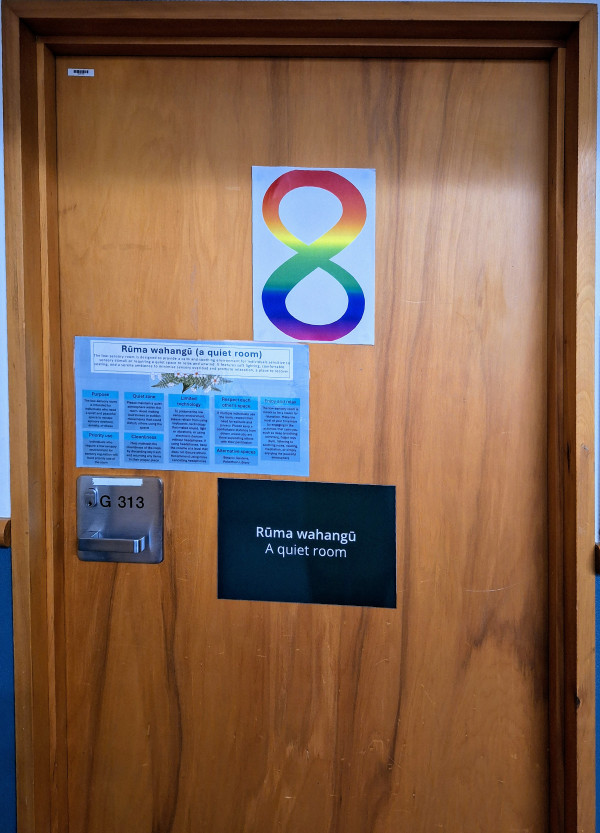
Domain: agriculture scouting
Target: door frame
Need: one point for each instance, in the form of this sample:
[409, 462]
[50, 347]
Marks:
[34, 33]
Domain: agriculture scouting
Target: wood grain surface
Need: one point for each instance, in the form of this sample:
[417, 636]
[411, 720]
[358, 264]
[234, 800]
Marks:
[292, 19]
[186, 713]
[579, 323]
[4, 532]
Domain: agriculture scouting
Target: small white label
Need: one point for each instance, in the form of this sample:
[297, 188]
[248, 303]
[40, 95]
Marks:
[86, 72]
[117, 481]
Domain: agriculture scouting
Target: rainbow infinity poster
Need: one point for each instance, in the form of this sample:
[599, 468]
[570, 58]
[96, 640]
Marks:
[313, 254]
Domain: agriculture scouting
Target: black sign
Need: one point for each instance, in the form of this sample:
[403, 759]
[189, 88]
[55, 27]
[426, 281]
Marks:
[293, 541]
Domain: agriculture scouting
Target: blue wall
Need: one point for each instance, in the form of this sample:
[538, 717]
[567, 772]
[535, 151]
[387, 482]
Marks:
[597, 702]
[8, 814]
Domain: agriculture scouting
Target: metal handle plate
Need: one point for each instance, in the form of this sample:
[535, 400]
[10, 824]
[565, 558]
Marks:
[120, 519]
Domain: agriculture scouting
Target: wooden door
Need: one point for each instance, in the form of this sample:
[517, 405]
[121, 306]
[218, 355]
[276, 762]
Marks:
[189, 713]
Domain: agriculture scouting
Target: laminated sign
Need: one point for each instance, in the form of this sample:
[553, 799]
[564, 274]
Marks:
[223, 406]
[313, 245]
[294, 541]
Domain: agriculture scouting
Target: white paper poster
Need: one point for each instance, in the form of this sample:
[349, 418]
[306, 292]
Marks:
[313, 254]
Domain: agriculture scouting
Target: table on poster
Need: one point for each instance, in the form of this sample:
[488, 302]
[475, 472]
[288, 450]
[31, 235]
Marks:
[192, 406]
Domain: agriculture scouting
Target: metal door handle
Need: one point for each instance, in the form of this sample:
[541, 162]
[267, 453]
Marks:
[94, 542]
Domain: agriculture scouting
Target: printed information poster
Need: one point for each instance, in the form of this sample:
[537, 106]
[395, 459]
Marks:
[192, 405]
[313, 254]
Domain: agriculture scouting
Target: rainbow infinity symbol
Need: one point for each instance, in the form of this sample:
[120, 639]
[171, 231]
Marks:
[310, 256]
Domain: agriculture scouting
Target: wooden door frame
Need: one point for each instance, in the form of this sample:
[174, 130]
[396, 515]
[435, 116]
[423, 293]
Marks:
[34, 32]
